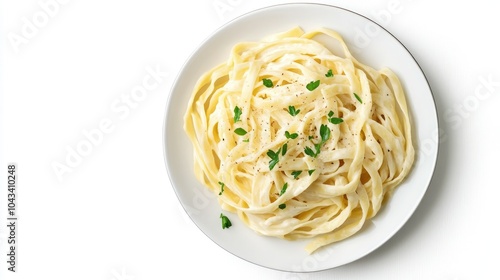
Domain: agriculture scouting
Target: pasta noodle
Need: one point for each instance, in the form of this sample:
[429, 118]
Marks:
[298, 141]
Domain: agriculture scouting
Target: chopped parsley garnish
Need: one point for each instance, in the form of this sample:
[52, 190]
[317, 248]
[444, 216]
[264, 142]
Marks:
[226, 223]
[296, 173]
[283, 189]
[289, 135]
[329, 74]
[274, 158]
[308, 151]
[267, 83]
[358, 98]
[312, 85]
[292, 111]
[334, 120]
[237, 114]
[246, 140]
[240, 131]
[324, 132]
[221, 188]
[284, 149]
[311, 171]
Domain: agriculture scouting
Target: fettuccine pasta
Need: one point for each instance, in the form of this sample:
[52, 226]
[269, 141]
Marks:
[300, 142]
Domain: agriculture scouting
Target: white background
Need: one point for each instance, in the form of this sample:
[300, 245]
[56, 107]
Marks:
[113, 214]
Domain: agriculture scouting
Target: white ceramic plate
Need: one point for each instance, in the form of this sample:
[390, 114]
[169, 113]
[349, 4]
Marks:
[372, 45]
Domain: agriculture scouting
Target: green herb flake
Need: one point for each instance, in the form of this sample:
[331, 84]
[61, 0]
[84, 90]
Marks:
[221, 188]
[335, 120]
[284, 149]
[296, 173]
[240, 131]
[283, 189]
[273, 163]
[246, 140]
[358, 98]
[267, 83]
[329, 74]
[292, 111]
[317, 147]
[289, 135]
[237, 114]
[274, 158]
[226, 223]
[312, 85]
[324, 131]
[308, 151]
[311, 171]
[282, 206]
